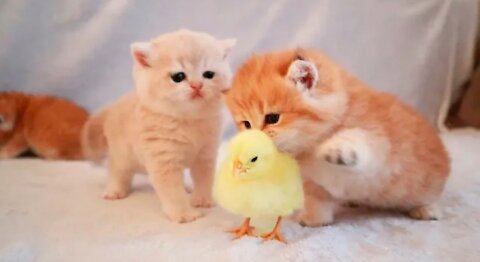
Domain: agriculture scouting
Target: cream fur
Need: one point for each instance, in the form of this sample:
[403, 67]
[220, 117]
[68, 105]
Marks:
[161, 129]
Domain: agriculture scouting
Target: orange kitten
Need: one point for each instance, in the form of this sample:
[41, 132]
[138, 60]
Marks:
[171, 122]
[354, 144]
[48, 126]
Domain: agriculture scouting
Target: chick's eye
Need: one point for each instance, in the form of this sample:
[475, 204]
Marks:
[254, 159]
[272, 118]
[247, 124]
[178, 77]
[208, 74]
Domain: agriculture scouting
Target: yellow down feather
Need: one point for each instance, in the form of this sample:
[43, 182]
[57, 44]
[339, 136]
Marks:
[256, 180]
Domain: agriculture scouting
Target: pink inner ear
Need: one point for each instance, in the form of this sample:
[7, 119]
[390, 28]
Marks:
[141, 58]
[307, 78]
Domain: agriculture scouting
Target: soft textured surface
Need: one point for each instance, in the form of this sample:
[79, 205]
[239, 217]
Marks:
[52, 211]
[418, 50]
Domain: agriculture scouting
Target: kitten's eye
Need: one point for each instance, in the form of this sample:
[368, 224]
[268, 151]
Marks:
[272, 118]
[208, 74]
[2, 120]
[247, 124]
[254, 159]
[178, 77]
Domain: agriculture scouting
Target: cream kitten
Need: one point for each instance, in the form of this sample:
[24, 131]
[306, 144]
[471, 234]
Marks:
[353, 143]
[171, 121]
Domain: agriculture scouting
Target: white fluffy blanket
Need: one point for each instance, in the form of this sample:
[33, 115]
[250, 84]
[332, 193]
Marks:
[52, 211]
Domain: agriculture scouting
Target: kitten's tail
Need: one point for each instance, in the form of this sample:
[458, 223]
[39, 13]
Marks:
[94, 142]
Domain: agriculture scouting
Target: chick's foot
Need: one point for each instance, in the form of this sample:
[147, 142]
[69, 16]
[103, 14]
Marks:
[276, 233]
[244, 230]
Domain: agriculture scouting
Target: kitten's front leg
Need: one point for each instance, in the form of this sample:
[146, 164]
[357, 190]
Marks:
[319, 209]
[202, 172]
[354, 148]
[14, 147]
[119, 181]
[167, 180]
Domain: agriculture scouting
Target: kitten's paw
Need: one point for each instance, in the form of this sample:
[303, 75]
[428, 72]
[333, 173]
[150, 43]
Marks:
[114, 193]
[429, 212]
[339, 153]
[308, 219]
[185, 215]
[356, 149]
[204, 201]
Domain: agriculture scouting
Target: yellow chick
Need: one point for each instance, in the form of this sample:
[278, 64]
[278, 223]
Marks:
[256, 180]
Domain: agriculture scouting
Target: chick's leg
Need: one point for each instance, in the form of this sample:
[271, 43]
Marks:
[244, 229]
[276, 233]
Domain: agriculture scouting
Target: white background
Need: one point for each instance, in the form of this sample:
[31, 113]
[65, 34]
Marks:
[79, 49]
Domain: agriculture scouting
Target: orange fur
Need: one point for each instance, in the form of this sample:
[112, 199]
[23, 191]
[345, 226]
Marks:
[166, 126]
[354, 143]
[48, 126]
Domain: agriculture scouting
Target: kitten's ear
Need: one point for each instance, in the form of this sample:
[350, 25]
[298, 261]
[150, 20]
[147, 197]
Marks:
[227, 45]
[303, 74]
[141, 52]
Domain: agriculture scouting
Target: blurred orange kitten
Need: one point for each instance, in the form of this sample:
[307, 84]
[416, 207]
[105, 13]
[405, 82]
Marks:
[354, 144]
[171, 122]
[48, 126]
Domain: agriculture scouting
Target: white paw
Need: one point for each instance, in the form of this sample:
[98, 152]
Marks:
[115, 192]
[425, 213]
[350, 148]
[199, 200]
[312, 220]
[114, 195]
[185, 215]
[344, 154]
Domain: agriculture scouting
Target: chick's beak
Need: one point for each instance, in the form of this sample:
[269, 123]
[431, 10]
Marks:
[238, 167]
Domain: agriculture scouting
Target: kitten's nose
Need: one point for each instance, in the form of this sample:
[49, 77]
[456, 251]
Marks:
[197, 86]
